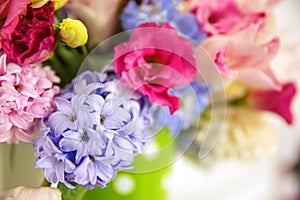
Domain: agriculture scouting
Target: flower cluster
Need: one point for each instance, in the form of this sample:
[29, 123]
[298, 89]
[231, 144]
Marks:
[26, 96]
[96, 130]
[232, 34]
[27, 38]
[155, 79]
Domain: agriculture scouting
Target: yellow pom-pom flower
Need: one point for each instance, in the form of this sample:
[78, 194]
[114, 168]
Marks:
[73, 32]
[39, 3]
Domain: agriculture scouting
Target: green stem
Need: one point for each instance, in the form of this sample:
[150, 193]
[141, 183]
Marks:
[84, 50]
[12, 156]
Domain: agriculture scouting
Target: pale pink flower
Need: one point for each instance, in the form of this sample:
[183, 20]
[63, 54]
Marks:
[26, 95]
[26, 193]
[99, 16]
[217, 17]
[239, 58]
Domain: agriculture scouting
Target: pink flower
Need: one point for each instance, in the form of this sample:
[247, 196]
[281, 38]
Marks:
[155, 59]
[99, 16]
[33, 39]
[239, 58]
[11, 12]
[217, 17]
[26, 95]
[275, 101]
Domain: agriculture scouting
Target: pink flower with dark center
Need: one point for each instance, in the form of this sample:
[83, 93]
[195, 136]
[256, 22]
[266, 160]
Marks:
[154, 60]
[26, 95]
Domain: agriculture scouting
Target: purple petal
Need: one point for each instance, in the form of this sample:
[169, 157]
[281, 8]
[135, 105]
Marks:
[46, 162]
[64, 106]
[68, 145]
[124, 143]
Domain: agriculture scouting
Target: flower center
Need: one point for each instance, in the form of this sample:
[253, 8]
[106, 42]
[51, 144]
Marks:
[85, 137]
[91, 158]
[17, 88]
[102, 119]
[73, 118]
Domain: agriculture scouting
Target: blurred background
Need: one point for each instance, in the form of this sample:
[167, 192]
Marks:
[274, 178]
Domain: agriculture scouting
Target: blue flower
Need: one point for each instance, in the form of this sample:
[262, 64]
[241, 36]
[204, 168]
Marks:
[54, 162]
[194, 99]
[161, 12]
[97, 130]
[68, 112]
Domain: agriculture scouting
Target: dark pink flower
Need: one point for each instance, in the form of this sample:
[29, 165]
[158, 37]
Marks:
[33, 39]
[155, 59]
[217, 17]
[11, 12]
[275, 101]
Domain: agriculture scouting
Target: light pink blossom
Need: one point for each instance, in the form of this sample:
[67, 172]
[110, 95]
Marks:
[155, 59]
[239, 58]
[26, 95]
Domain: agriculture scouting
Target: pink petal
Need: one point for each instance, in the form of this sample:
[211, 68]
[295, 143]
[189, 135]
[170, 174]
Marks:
[3, 64]
[222, 65]
[29, 90]
[21, 119]
[22, 135]
[16, 8]
[276, 101]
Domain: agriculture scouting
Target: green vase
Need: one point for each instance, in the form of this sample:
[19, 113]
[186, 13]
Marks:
[145, 182]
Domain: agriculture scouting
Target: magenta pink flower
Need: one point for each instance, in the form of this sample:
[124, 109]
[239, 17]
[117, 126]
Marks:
[11, 12]
[275, 101]
[217, 17]
[239, 58]
[155, 59]
[26, 95]
[33, 39]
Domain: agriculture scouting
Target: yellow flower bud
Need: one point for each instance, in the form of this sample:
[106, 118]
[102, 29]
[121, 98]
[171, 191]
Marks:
[73, 32]
[39, 3]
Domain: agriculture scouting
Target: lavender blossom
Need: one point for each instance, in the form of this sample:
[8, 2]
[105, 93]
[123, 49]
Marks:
[96, 130]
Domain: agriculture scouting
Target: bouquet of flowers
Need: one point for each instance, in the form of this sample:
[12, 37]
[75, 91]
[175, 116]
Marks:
[97, 103]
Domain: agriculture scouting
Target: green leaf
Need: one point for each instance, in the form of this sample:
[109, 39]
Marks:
[69, 194]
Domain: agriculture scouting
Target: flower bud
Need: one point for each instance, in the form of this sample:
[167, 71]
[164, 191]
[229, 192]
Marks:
[73, 32]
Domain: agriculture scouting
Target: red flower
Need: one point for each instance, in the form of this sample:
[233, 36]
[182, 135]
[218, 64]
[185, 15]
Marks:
[10, 13]
[276, 101]
[33, 39]
[155, 59]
